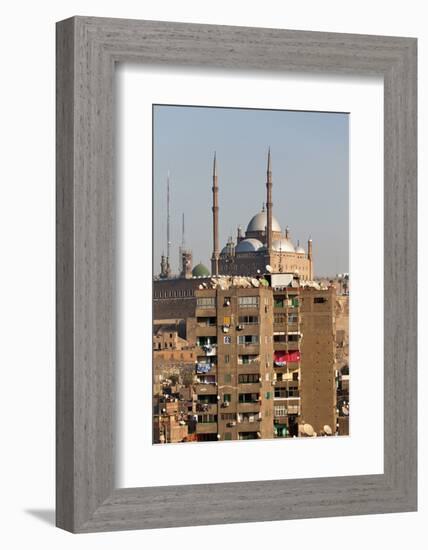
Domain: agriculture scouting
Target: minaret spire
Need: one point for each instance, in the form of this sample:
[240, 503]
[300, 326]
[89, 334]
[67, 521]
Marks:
[215, 255]
[311, 260]
[183, 241]
[269, 204]
[168, 236]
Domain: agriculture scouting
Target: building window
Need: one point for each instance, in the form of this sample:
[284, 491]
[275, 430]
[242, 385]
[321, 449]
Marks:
[206, 341]
[247, 435]
[226, 359]
[292, 391]
[247, 359]
[248, 301]
[320, 300]
[279, 318]
[280, 410]
[292, 318]
[248, 339]
[228, 416]
[249, 397]
[206, 321]
[205, 302]
[207, 418]
[248, 378]
[207, 399]
[279, 337]
[227, 378]
[249, 417]
[279, 301]
[293, 337]
[248, 320]
[227, 339]
[227, 397]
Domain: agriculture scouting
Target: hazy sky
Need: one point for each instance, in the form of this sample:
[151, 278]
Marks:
[309, 171]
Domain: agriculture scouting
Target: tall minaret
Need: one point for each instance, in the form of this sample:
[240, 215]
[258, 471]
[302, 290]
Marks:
[183, 240]
[215, 256]
[182, 246]
[269, 205]
[310, 258]
[168, 237]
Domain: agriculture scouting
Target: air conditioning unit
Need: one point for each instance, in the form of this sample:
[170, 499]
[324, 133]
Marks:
[225, 404]
[240, 327]
[231, 424]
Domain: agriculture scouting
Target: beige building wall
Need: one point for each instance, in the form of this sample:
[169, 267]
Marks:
[318, 387]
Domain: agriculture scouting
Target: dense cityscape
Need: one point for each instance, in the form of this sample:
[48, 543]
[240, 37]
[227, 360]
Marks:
[257, 347]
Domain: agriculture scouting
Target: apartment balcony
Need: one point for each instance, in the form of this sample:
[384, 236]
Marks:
[291, 404]
[252, 387]
[248, 349]
[252, 366]
[206, 330]
[286, 378]
[206, 428]
[249, 407]
[249, 425]
[293, 327]
[208, 350]
[206, 389]
[207, 408]
[293, 409]
[293, 346]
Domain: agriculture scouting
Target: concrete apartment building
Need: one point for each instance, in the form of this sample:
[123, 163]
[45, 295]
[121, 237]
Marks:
[234, 367]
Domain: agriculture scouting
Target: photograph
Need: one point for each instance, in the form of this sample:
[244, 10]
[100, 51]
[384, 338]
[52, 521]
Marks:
[250, 267]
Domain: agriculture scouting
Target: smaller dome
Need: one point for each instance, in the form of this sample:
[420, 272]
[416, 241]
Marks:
[200, 271]
[283, 245]
[248, 245]
[300, 250]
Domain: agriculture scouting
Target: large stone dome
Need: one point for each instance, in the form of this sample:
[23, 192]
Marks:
[283, 245]
[248, 245]
[259, 223]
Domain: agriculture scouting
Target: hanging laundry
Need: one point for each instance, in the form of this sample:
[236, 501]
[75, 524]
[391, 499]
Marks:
[280, 359]
[292, 356]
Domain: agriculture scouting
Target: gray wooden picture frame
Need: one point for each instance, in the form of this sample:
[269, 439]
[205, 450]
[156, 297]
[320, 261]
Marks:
[87, 51]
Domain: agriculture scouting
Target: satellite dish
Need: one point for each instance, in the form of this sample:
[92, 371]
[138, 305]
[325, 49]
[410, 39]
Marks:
[255, 283]
[268, 269]
[308, 430]
[327, 429]
[345, 410]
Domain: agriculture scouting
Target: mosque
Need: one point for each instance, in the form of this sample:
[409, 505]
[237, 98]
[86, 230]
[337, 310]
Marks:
[264, 244]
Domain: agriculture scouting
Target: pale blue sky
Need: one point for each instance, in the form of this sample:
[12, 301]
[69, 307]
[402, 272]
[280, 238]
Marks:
[310, 165]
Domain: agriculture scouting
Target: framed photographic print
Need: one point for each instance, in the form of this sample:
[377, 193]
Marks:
[236, 274]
